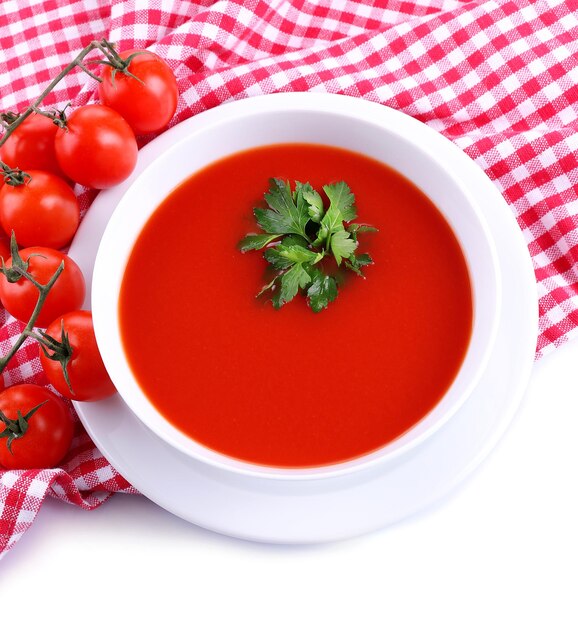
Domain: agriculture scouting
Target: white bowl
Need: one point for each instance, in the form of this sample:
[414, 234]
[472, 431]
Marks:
[430, 161]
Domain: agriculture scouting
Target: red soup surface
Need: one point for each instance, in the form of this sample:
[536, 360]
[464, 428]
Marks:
[292, 388]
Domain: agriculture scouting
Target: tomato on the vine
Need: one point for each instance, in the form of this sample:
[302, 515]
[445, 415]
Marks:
[96, 148]
[42, 437]
[148, 99]
[31, 146]
[67, 294]
[79, 354]
[42, 211]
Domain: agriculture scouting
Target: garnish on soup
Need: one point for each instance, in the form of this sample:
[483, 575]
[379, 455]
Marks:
[300, 231]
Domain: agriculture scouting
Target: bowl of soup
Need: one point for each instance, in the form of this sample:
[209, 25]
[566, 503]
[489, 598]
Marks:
[229, 380]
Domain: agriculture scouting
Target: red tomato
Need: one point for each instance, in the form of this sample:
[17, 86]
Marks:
[42, 212]
[67, 293]
[97, 148]
[31, 146]
[46, 438]
[86, 372]
[149, 105]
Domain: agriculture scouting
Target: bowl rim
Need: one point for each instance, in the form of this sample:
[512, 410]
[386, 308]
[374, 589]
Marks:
[431, 143]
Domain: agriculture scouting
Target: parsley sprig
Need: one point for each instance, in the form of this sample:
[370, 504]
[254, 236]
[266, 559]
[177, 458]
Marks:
[299, 232]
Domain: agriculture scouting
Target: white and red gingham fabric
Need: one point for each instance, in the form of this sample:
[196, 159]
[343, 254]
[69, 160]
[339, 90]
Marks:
[498, 78]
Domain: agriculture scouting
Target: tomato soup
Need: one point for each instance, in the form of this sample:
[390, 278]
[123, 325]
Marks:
[290, 387]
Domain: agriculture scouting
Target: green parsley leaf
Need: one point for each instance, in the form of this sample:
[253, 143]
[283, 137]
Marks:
[299, 232]
[341, 200]
[331, 223]
[271, 286]
[342, 245]
[315, 202]
[356, 229]
[283, 256]
[295, 240]
[277, 259]
[256, 242]
[294, 279]
[276, 297]
[321, 291]
[356, 263]
[284, 216]
[340, 209]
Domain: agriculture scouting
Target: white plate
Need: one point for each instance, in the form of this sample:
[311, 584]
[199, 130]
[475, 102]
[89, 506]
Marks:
[343, 506]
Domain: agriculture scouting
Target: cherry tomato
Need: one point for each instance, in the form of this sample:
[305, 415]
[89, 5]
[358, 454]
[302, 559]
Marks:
[47, 436]
[31, 146]
[97, 148]
[42, 212]
[67, 293]
[86, 372]
[149, 105]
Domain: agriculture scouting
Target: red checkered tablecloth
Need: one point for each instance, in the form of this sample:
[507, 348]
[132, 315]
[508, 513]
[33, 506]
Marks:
[498, 78]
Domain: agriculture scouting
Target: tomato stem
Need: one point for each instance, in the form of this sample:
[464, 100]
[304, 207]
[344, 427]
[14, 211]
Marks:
[14, 177]
[55, 350]
[118, 64]
[8, 118]
[15, 429]
[58, 116]
[112, 56]
[87, 71]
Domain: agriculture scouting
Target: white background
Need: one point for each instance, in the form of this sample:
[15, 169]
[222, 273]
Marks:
[501, 550]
